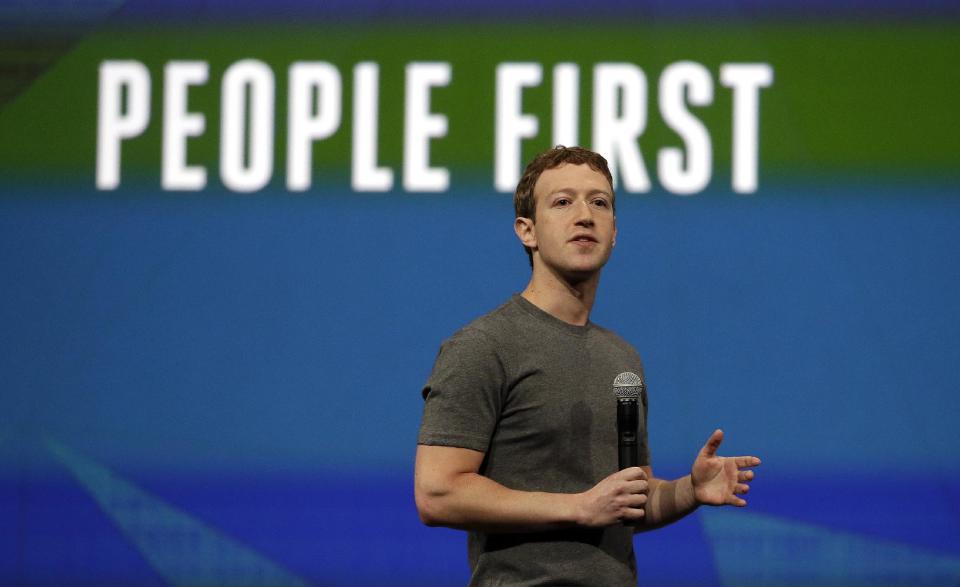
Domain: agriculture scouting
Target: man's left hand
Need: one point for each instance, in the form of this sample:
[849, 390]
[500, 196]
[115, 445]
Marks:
[721, 480]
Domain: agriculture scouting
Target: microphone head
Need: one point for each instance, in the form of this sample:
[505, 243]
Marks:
[627, 385]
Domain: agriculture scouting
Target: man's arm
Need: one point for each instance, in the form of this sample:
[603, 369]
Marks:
[449, 491]
[713, 480]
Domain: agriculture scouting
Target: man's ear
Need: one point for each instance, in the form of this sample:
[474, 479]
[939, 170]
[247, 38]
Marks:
[526, 231]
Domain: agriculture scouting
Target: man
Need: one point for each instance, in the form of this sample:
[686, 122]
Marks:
[518, 443]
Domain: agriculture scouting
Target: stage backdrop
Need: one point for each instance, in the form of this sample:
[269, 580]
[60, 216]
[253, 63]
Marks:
[234, 234]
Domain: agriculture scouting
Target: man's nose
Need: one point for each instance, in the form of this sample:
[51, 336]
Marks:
[584, 214]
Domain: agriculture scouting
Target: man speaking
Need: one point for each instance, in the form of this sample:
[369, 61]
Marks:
[519, 443]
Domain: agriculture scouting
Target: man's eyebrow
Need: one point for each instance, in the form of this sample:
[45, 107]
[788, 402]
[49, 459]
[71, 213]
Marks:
[573, 192]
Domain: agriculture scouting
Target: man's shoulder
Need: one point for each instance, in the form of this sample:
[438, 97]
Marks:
[609, 334]
[611, 337]
[496, 326]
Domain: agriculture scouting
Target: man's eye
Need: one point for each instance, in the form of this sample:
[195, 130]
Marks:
[562, 202]
[601, 203]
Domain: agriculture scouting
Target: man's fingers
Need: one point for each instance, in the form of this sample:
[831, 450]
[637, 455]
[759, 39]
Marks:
[713, 443]
[738, 490]
[744, 476]
[746, 462]
[636, 500]
[631, 474]
[639, 486]
[633, 506]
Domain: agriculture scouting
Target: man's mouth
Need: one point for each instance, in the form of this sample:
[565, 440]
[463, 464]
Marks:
[583, 238]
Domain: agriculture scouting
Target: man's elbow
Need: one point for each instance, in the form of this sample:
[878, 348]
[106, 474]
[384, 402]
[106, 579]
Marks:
[428, 515]
[440, 500]
[427, 510]
[430, 506]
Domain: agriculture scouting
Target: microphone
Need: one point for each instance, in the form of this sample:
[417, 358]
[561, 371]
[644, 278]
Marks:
[627, 387]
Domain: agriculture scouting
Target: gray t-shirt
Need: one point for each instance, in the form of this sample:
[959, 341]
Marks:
[535, 395]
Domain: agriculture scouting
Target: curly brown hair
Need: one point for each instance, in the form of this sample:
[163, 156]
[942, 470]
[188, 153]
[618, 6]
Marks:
[524, 203]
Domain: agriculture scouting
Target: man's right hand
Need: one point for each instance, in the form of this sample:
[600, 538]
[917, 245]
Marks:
[618, 498]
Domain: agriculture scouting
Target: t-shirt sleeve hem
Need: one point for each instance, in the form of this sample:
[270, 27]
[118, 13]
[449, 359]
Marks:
[454, 440]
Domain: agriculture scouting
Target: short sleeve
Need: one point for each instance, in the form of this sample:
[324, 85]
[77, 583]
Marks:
[462, 397]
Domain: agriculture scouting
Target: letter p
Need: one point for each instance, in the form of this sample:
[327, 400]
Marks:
[119, 119]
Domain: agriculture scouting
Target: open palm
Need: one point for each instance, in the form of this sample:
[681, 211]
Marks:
[721, 480]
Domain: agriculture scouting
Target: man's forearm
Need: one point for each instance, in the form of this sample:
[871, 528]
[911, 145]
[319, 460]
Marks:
[451, 492]
[668, 501]
[474, 502]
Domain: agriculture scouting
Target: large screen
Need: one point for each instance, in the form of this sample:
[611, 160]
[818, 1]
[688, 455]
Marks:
[233, 236]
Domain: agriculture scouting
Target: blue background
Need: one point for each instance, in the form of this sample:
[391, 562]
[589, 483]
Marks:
[254, 365]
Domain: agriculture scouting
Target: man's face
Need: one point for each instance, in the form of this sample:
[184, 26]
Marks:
[575, 228]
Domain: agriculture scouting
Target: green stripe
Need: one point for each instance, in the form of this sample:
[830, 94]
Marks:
[850, 99]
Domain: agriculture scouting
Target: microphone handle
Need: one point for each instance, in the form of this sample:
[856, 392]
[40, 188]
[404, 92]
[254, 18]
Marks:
[627, 422]
[628, 456]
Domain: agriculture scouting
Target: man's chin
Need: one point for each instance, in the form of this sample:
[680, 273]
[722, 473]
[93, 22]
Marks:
[581, 273]
[578, 271]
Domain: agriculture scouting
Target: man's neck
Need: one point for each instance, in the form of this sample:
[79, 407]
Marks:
[570, 302]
